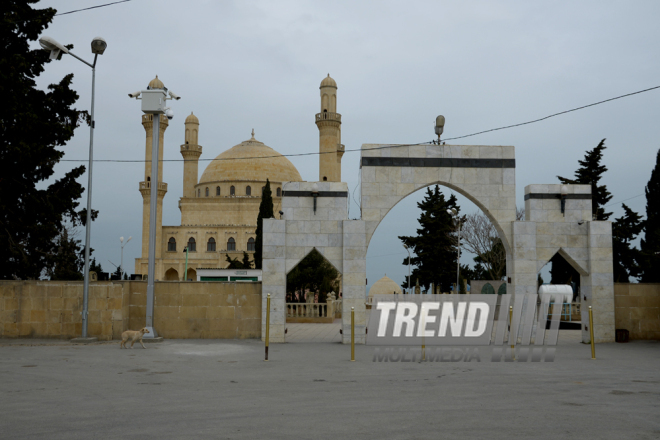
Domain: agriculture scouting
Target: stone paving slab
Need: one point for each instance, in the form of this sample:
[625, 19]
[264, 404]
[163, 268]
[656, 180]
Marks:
[224, 389]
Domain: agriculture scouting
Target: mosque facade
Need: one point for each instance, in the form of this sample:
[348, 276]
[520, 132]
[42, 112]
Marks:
[219, 209]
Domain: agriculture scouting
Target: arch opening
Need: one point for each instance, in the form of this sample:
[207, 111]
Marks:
[171, 275]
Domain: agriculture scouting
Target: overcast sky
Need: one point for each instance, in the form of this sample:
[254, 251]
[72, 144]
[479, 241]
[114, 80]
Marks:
[258, 64]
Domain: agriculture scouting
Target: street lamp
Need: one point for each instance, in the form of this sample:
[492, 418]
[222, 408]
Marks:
[185, 274]
[154, 101]
[454, 213]
[121, 264]
[98, 47]
[406, 246]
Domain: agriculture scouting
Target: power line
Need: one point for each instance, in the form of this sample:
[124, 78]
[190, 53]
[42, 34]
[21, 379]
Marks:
[377, 148]
[621, 201]
[92, 7]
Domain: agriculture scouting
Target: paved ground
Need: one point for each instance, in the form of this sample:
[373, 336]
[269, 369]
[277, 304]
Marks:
[224, 389]
[313, 332]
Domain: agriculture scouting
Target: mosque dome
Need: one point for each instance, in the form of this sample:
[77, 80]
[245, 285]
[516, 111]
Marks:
[328, 82]
[192, 119]
[385, 285]
[252, 161]
[156, 83]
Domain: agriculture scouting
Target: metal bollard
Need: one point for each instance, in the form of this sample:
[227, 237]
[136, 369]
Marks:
[352, 334]
[513, 349]
[591, 333]
[267, 324]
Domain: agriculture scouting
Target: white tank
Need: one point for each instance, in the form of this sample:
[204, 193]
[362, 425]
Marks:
[557, 289]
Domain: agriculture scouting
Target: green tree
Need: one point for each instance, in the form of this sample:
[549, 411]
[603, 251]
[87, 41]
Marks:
[625, 258]
[650, 245]
[590, 173]
[33, 123]
[94, 266]
[435, 244]
[234, 263]
[265, 211]
[315, 273]
[68, 261]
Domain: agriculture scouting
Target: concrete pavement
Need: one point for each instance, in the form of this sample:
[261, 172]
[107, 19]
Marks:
[224, 389]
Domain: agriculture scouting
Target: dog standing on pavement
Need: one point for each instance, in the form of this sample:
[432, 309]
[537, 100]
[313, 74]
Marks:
[133, 335]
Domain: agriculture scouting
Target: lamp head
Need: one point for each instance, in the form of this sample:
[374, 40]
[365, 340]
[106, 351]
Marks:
[452, 211]
[315, 188]
[121, 239]
[564, 190]
[129, 239]
[55, 48]
[98, 46]
[439, 125]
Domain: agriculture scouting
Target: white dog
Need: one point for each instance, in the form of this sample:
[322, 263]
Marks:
[133, 335]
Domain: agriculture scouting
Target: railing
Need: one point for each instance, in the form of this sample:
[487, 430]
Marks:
[307, 310]
[328, 116]
[190, 147]
[162, 186]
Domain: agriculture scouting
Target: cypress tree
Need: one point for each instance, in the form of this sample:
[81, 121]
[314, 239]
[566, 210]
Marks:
[626, 258]
[265, 211]
[435, 247]
[651, 243]
[590, 173]
[33, 123]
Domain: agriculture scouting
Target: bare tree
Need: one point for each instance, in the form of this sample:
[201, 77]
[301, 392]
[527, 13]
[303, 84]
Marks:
[479, 236]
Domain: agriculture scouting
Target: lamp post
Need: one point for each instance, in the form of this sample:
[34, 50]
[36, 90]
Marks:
[185, 274]
[121, 263]
[154, 102]
[408, 249]
[457, 222]
[98, 47]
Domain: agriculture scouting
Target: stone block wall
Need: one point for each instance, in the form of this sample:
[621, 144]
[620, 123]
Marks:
[637, 309]
[52, 309]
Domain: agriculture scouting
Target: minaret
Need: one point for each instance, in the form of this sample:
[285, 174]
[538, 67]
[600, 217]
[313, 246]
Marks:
[190, 151]
[329, 124]
[146, 185]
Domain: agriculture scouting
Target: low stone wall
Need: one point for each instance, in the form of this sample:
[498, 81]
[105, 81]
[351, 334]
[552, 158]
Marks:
[637, 309]
[182, 310]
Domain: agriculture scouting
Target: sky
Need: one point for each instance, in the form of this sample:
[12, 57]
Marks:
[243, 65]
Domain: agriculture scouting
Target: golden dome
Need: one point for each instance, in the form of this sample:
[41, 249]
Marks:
[385, 285]
[250, 160]
[156, 83]
[328, 82]
[192, 119]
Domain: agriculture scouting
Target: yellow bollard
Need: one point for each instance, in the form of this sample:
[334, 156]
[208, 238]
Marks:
[513, 350]
[352, 334]
[267, 324]
[591, 333]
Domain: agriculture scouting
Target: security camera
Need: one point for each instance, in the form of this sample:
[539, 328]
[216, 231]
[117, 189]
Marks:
[134, 95]
[169, 113]
[174, 95]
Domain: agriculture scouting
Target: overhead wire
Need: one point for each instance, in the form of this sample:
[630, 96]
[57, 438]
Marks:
[92, 7]
[380, 147]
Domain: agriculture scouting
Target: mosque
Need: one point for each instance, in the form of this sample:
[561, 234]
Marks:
[219, 210]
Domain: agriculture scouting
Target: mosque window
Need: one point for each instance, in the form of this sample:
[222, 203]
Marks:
[263, 188]
[232, 191]
[192, 246]
[171, 245]
[210, 246]
[199, 192]
[248, 190]
[231, 244]
[250, 244]
[279, 192]
[207, 191]
[325, 179]
[217, 190]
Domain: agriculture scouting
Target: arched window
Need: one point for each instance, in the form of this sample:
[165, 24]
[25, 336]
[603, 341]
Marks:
[248, 190]
[207, 191]
[231, 244]
[199, 192]
[171, 245]
[263, 188]
[217, 190]
[502, 289]
[279, 192]
[232, 191]
[487, 289]
[250, 244]
[325, 179]
[192, 246]
[210, 246]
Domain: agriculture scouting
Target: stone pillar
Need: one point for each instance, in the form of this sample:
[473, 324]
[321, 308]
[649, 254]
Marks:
[354, 278]
[274, 278]
[597, 289]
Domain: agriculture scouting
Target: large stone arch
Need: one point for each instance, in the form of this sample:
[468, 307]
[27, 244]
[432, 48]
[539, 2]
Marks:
[483, 174]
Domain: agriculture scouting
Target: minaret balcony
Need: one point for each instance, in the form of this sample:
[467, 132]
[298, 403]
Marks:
[191, 147]
[327, 116]
[162, 186]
